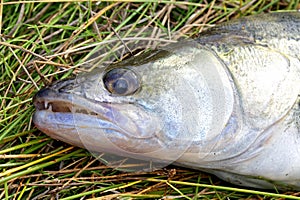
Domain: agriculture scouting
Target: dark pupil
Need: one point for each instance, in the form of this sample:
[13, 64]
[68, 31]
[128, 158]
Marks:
[120, 86]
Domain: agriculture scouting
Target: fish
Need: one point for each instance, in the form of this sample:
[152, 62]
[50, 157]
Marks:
[226, 103]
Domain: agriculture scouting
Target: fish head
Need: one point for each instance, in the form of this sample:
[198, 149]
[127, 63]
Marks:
[152, 107]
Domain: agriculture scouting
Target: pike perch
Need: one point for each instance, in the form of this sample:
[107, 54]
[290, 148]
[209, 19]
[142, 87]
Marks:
[226, 103]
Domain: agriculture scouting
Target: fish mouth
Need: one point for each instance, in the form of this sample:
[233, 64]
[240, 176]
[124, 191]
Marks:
[61, 106]
[67, 116]
[124, 125]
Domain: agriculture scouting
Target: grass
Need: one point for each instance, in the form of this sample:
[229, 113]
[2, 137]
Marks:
[43, 41]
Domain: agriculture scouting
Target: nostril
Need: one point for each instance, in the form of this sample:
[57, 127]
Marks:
[63, 85]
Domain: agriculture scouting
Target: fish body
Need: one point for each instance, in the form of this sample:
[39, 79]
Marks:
[227, 103]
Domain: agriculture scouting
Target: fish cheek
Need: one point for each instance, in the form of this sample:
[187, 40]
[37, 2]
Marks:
[132, 145]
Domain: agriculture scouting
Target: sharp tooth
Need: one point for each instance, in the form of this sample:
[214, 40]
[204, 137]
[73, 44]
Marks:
[72, 109]
[46, 105]
[49, 107]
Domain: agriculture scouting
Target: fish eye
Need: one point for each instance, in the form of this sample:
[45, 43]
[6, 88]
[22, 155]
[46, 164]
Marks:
[121, 81]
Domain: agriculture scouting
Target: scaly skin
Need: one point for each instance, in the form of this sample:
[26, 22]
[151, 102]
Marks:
[227, 103]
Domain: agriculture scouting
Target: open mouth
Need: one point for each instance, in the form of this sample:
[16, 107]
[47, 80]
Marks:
[61, 107]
